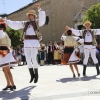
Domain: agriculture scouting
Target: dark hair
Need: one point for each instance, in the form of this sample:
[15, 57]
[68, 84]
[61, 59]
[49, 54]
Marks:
[3, 26]
[4, 48]
[69, 32]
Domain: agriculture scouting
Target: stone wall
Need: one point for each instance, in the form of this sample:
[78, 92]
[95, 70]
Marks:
[60, 12]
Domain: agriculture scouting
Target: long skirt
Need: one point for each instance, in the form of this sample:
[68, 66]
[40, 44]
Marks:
[57, 56]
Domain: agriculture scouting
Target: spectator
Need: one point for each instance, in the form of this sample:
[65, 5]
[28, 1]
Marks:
[13, 52]
[61, 50]
[14, 55]
[23, 56]
[50, 51]
[42, 54]
[57, 56]
[19, 52]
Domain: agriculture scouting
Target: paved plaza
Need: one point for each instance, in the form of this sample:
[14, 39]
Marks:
[55, 83]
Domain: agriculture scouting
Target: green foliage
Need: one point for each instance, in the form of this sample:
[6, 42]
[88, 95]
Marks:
[15, 36]
[93, 15]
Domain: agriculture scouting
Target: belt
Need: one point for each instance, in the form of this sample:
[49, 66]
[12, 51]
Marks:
[29, 37]
[4, 64]
[8, 64]
[69, 46]
[88, 43]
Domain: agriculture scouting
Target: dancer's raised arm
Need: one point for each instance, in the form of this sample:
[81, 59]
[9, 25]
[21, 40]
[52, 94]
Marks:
[74, 31]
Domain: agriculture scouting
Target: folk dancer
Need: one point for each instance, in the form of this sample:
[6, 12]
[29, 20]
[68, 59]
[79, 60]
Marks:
[31, 41]
[6, 57]
[71, 52]
[89, 44]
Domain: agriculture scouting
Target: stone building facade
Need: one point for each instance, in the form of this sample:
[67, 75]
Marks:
[60, 12]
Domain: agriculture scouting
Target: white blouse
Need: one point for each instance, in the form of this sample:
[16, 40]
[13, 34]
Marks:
[63, 37]
[2, 34]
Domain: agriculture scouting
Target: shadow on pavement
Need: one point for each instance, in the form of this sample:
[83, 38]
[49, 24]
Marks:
[23, 94]
[87, 78]
[65, 80]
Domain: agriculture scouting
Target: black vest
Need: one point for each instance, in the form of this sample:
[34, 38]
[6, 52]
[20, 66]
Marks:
[49, 48]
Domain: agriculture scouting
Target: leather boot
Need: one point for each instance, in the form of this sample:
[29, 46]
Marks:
[31, 74]
[84, 70]
[97, 68]
[36, 75]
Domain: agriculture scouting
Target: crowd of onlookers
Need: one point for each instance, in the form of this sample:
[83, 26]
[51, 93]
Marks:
[19, 55]
[52, 53]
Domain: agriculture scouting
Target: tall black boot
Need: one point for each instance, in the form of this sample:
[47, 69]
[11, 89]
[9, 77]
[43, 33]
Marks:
[36, 76]
[31, 74]
[97, 68]
[84, 70]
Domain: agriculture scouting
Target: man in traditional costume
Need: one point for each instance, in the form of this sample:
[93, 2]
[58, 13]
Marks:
[50, 53]
[31, 39]
[89, 44]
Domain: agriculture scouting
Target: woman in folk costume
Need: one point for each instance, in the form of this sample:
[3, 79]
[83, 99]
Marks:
[57, 56]
[71, 52]
[31, 38]
[6, 57]
[61, 51]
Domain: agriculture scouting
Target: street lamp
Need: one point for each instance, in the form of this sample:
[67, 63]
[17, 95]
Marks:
[4, 13]
[3, 2]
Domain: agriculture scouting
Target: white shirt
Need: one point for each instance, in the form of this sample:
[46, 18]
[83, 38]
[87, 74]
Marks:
[88, 37]
[30, 31]
[79, 33]
[23, 51]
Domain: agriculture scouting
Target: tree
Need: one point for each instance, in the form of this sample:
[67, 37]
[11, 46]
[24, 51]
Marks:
[15, 37]
[93, 15]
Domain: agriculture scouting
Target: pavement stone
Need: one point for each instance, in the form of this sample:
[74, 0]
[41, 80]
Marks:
[55, 83]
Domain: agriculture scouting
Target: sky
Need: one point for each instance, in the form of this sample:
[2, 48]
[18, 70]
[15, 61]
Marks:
[12, 5]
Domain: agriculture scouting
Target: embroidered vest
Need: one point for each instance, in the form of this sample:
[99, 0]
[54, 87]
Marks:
[5, 41]
[93, 36]
[35, 27]
[70, 41]
[49, 48]
[33, 23]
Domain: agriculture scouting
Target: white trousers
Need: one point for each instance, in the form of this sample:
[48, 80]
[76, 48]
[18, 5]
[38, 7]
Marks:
[31, 57]
[93, 55]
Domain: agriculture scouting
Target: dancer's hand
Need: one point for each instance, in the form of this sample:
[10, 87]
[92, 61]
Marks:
[67, 28]
[1, 20]
[37, 6]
